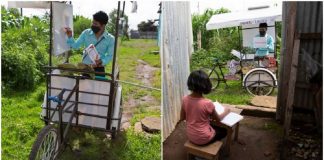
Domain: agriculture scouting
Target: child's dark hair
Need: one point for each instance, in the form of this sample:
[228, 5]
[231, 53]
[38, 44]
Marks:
[101, 17]
[199, 82]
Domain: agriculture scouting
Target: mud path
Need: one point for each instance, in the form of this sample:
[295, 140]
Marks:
[145, 73]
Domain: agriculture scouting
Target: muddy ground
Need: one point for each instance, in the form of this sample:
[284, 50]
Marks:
[259, 139]
[145, 73]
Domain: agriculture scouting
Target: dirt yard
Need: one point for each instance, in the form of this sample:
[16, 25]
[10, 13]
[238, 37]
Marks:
[258, 140]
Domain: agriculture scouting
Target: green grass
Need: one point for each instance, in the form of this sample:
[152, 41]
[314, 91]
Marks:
[233, 94]
[21, 122]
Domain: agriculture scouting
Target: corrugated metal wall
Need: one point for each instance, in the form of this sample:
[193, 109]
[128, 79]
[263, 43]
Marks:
[176, 47]
[309, 19]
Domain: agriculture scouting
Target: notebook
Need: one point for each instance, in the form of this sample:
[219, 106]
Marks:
[230, 119]
[92, 53]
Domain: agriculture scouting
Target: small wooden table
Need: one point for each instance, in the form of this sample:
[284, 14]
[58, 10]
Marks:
[230, 130]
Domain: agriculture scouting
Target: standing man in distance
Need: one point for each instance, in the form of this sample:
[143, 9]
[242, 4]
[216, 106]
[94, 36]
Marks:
[262, 52]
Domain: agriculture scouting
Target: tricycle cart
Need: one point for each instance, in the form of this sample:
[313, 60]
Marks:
[258, 74]
[76, 100]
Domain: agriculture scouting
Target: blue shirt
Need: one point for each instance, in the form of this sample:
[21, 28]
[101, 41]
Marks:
[105, 47]
[260, 52]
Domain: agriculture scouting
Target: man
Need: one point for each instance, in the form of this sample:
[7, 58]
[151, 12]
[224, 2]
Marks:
[262, 52]
[96, 35]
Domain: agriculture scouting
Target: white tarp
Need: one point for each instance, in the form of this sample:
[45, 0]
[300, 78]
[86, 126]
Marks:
[233, 19]
[62, 17]
[29, 4]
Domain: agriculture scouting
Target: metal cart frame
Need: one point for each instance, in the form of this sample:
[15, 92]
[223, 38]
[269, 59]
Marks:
[59, 135]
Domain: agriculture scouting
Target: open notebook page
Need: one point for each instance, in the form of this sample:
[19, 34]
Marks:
[231, 118]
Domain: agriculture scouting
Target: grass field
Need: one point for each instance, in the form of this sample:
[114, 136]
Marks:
[21, 122]
[234, 93]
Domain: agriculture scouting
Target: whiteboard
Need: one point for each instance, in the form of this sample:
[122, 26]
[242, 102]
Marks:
[249, 34]
[62, 17]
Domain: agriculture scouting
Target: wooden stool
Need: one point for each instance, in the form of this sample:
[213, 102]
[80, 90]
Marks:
[209, 151]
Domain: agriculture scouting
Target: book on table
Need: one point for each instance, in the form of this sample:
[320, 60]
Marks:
[230, 119]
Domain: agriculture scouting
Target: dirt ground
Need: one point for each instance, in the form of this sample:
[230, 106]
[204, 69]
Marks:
[145, 73]
[258, 140]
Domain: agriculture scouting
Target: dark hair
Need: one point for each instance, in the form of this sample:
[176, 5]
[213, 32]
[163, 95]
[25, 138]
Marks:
[101, 17]
[198, 81]
[263, 25]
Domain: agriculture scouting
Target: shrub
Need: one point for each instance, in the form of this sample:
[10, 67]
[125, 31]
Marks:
[24, 51]
[80, 23]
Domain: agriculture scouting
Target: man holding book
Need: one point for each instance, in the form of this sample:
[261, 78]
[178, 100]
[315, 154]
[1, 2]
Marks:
[269, 47]
[95, 38]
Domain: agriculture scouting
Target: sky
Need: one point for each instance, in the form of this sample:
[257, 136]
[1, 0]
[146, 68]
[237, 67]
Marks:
[148, 9]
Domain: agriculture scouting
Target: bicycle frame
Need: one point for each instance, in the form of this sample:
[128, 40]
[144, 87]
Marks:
[214, 69]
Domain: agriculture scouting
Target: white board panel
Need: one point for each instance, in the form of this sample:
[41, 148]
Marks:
[28, 4]
[62, 17]
[249, 34]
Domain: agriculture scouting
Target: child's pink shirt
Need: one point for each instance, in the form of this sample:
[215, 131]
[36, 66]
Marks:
[198, 111]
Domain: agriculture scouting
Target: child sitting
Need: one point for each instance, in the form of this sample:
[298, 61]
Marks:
[197, 111]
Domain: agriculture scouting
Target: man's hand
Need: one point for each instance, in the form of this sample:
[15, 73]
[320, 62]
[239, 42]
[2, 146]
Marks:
[98, 62]
[68, 31]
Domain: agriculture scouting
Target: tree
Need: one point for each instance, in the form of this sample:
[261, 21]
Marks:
[80, 24]
[199, 25]
[123, 23]
[147, 26]
[214, 43]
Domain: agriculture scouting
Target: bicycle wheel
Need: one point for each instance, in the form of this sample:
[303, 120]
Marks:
[213, 76]
[46, 145]
[259, 82]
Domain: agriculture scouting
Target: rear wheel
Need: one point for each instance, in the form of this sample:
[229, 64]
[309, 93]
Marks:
[213, 76]
[46, 145]
[259, 82]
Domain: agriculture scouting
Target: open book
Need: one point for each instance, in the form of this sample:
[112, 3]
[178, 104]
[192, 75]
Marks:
[230, 119]
[92, 53]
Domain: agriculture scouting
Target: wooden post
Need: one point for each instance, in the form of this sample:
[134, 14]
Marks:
[287, 49]
[291, 88]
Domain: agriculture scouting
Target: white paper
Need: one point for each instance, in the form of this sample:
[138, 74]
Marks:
[259, 42]
[237, 53]
[219, 108]
[62, 18]
[231, 118]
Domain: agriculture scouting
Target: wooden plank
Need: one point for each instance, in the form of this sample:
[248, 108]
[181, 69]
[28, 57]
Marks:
[291, 88]
[208, 151]
[310, 36]
[290, 26]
